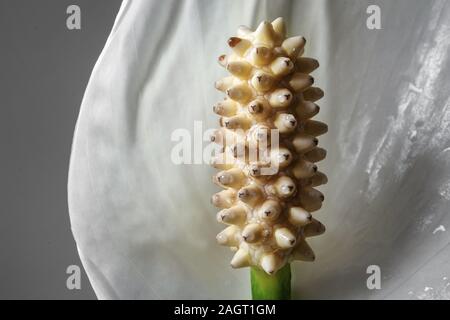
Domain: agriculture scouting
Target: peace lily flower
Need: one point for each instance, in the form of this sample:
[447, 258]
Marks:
[144, 225]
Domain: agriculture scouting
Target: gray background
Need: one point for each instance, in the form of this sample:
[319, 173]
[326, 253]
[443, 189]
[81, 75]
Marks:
[44, 69]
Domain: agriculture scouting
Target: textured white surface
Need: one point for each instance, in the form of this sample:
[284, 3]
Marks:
[144, 226]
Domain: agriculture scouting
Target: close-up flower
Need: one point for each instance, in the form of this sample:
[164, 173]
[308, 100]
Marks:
[226, 150]
[145, 227]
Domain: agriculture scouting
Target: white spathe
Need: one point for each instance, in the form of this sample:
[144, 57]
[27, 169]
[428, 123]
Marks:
[145, 227]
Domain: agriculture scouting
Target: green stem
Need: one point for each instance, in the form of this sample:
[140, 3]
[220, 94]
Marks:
[271, 287]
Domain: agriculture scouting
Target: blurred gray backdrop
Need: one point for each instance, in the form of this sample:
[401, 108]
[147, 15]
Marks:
[44, 69]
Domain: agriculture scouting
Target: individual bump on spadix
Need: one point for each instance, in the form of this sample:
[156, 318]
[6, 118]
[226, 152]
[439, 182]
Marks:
[235, 215]
[315, 128]
[270, 88]
[224, 198]
[251, 194]
[279, 27]
[262, 81]
[230, 178]
[222, 161]
[280, 98]
[293, 46]
[225, 108]
[240, 121]
[260, 134]
[281, 66]
[225, 137]
[239, 92]
[306, 65]
[218, 136]
[319, 179]
[222, 60]
[306, 109]
[301, 81]
[285, 122]
[253, 233]
[265, 34]
[240, 259]
[240, 69]
[303, 142]
[259, 109]
[254, 169]
[239, 45]
[303, 252]
[311, 193]
[229, 236]
[316, 154]
[260, 56]
[284, 187]
[304, 169]
[313, 94]
[310, 205]
[310, 199]
[313, 229]
[271, 263]
[243, 31]
[224, 84]
[282, 157]
[299, 217]
[269, 210]
[239, 150]
[284, 238]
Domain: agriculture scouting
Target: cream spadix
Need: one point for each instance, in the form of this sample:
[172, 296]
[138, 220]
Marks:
[240, 259]
[269, 90]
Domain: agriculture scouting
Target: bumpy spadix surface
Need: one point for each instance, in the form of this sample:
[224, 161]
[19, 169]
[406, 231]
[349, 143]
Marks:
[269, 147]
[144, 226]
